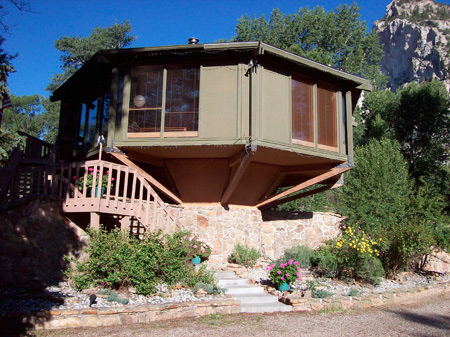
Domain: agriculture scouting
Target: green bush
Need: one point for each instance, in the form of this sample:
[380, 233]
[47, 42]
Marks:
[244, 255]
[321, 293]
[117, 260]
[301, 254]
[354, 255]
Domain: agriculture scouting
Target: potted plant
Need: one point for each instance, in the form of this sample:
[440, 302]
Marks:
[103, 182]
[283, 274]
[199, 249]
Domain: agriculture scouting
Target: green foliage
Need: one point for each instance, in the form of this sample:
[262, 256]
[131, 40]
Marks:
[117, 259]
[345, 261]
[380, 199]
[336, 38]
[354, 292]
[321, 293]
[282, 272]
[202, 275]
[35, 115]
[77, 50]
[113, 297]
[8, 142]
[302, 254]
[377, 192]
[244, 255]
[417, 116]
[208, 287]
[326, 201]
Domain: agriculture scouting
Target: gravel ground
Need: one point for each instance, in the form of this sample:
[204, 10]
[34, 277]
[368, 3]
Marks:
[430, 317]
[63, 296]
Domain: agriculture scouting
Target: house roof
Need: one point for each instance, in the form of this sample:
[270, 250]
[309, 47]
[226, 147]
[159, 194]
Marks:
[105, 60]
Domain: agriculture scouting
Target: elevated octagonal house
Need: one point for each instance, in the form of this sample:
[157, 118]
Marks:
[212, 128]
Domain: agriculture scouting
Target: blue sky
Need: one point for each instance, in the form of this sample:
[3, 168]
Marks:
[156, 23]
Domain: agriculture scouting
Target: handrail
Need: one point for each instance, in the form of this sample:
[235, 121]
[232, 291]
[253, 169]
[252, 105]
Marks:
[35, 148]
[96, 186]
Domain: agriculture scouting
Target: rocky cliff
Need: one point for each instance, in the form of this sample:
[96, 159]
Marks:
[415, 35]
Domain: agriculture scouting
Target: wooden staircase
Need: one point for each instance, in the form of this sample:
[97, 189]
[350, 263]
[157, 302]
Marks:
[94, 187]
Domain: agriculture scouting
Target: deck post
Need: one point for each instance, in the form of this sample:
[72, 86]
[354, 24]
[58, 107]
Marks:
[125, 223]
[95, 220]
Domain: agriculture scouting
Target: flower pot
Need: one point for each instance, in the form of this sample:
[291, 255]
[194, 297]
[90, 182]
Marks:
[196, 260]
[103, 192]
[283, 287]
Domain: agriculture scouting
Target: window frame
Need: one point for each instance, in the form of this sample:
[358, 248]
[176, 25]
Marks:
[315, 101]
[163, 133]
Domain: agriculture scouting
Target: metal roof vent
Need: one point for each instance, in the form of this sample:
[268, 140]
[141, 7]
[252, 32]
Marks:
[193, 40]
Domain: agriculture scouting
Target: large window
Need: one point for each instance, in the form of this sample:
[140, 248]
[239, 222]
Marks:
[93, 122]
[327, 116]
[302, 111]
[164, 99]
[314, 113]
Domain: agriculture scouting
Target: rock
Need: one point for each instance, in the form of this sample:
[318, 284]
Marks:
[201, 293]
[416, 49]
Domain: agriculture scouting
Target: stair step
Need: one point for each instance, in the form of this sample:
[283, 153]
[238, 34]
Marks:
[225, 274]
[253, 298]
[265, 307]
[257, 298]
[244, 290]
[223, 282]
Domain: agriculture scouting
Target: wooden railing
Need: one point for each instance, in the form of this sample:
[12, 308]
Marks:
[96, 186]
[36, 148]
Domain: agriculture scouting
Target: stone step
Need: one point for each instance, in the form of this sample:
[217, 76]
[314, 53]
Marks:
[252, 297]
[244, 290]
[265, 307]
[256, 298]
[224, 282]
[225, 274]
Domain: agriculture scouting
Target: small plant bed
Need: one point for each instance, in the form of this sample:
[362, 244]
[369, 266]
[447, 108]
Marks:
[121, 270]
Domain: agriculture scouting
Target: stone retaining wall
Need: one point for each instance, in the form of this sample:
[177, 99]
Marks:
[346, 303]
[60, 319]
[269, 232]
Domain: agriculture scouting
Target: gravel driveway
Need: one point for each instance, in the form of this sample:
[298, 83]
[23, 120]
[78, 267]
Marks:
[430, 317]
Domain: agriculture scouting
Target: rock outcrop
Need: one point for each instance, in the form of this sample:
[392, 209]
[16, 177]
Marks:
[415, 35]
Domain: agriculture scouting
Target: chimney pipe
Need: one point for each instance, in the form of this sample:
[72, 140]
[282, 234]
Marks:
[193, 40]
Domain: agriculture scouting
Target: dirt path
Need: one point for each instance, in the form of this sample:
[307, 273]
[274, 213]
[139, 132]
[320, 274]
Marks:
[430, 317]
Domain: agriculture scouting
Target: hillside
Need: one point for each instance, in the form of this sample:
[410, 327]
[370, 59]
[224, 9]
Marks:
[415, 35]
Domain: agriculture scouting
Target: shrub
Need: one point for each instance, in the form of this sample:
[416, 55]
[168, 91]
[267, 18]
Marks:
[244, 255]
[354, 292]
[282, 272]
[116, 260]
[302, 254]
[321, 293]
[113, 297]
[353, 255]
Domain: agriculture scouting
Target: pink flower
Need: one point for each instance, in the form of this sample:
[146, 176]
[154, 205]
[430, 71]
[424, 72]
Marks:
[271, 266]
[290, 261]
[297, 273]
[112, 179]
[91, 169]
[296, 263]
[279, 272]
[74, 177]
[299, 279]
[282, 278]
[194, 246]
[298, 268]
[286, 274]
[281, 260]
[267, 268]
